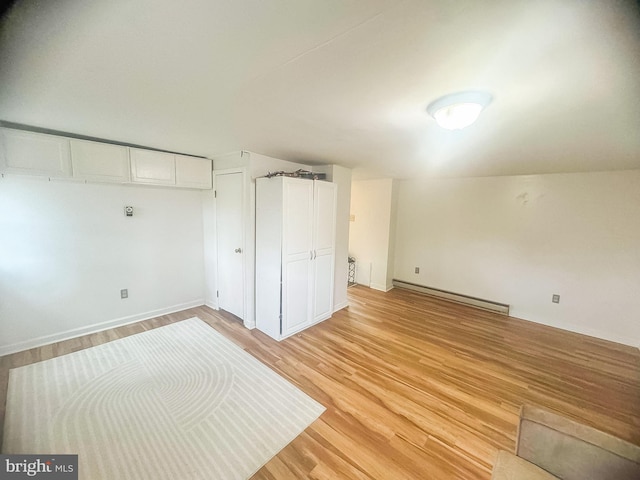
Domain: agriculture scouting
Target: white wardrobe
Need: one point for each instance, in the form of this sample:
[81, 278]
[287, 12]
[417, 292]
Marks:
[295, 249]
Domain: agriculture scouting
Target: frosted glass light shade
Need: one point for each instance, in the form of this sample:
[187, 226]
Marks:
[458, 116]
[458, 110]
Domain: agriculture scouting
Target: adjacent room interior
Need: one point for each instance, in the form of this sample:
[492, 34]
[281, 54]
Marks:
[364, 239]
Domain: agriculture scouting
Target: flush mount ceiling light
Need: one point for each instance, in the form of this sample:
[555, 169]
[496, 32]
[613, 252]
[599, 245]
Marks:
[458, 110]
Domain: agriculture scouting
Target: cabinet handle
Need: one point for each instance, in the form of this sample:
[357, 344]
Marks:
[314, 254]
[238, 250]
[310, 254]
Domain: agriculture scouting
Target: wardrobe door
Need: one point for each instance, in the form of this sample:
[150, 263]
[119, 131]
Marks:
[297, 246]
[324, 249]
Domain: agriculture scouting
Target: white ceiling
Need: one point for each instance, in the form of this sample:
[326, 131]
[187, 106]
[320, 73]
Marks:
[335, 81]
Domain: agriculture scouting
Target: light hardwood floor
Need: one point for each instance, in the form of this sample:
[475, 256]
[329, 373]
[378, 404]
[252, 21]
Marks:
[417, 387]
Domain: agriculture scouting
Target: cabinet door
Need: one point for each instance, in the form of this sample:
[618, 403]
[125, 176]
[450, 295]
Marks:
[34, 153]
[101, 162]
[324, 234]
[295, 296]
[193, 172]
[151, 167]
[297, 241]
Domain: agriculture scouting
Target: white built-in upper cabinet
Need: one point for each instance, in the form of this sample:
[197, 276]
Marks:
[193, 172]
[295, 250]
[31, 153]
[100, 162]
[159, 168]
[34, 153]
[151, 167]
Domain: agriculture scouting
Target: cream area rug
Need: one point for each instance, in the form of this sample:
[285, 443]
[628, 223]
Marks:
[179, 402]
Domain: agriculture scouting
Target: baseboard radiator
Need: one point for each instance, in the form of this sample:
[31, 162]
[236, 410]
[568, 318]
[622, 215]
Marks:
[454, 297]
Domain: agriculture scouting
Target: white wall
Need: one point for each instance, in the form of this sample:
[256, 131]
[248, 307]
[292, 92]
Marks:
[372, 203]
[66, 250]
[519, 240]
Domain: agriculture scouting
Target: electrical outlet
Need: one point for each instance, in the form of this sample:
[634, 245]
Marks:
[124, 293]
[555, 298]
[417, 270]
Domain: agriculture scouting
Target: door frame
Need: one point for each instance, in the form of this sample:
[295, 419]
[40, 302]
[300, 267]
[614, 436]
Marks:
[244, 210]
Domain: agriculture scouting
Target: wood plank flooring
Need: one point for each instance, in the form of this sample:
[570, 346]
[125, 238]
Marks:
[416, 387]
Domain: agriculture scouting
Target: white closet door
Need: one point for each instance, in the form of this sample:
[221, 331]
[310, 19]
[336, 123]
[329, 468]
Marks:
[324, 249]
[297, 244]
[230, 243]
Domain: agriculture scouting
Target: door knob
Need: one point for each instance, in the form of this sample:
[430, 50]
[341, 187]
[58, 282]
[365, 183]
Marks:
[238, 250]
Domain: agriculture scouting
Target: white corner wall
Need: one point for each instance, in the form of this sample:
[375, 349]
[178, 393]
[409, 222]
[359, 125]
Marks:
[372, 203]
[519, 240]
[66, 250]
[393, 226]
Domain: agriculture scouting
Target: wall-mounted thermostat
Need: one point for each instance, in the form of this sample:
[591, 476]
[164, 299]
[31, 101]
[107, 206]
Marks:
[128, 211]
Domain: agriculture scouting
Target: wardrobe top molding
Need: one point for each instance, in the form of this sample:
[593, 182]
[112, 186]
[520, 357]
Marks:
[75, 136]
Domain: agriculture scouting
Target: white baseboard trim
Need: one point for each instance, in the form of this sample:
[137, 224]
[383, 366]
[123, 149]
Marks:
[380, 287]
[340, 306]
[96, 327]
[211, 305]
[575, 328]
